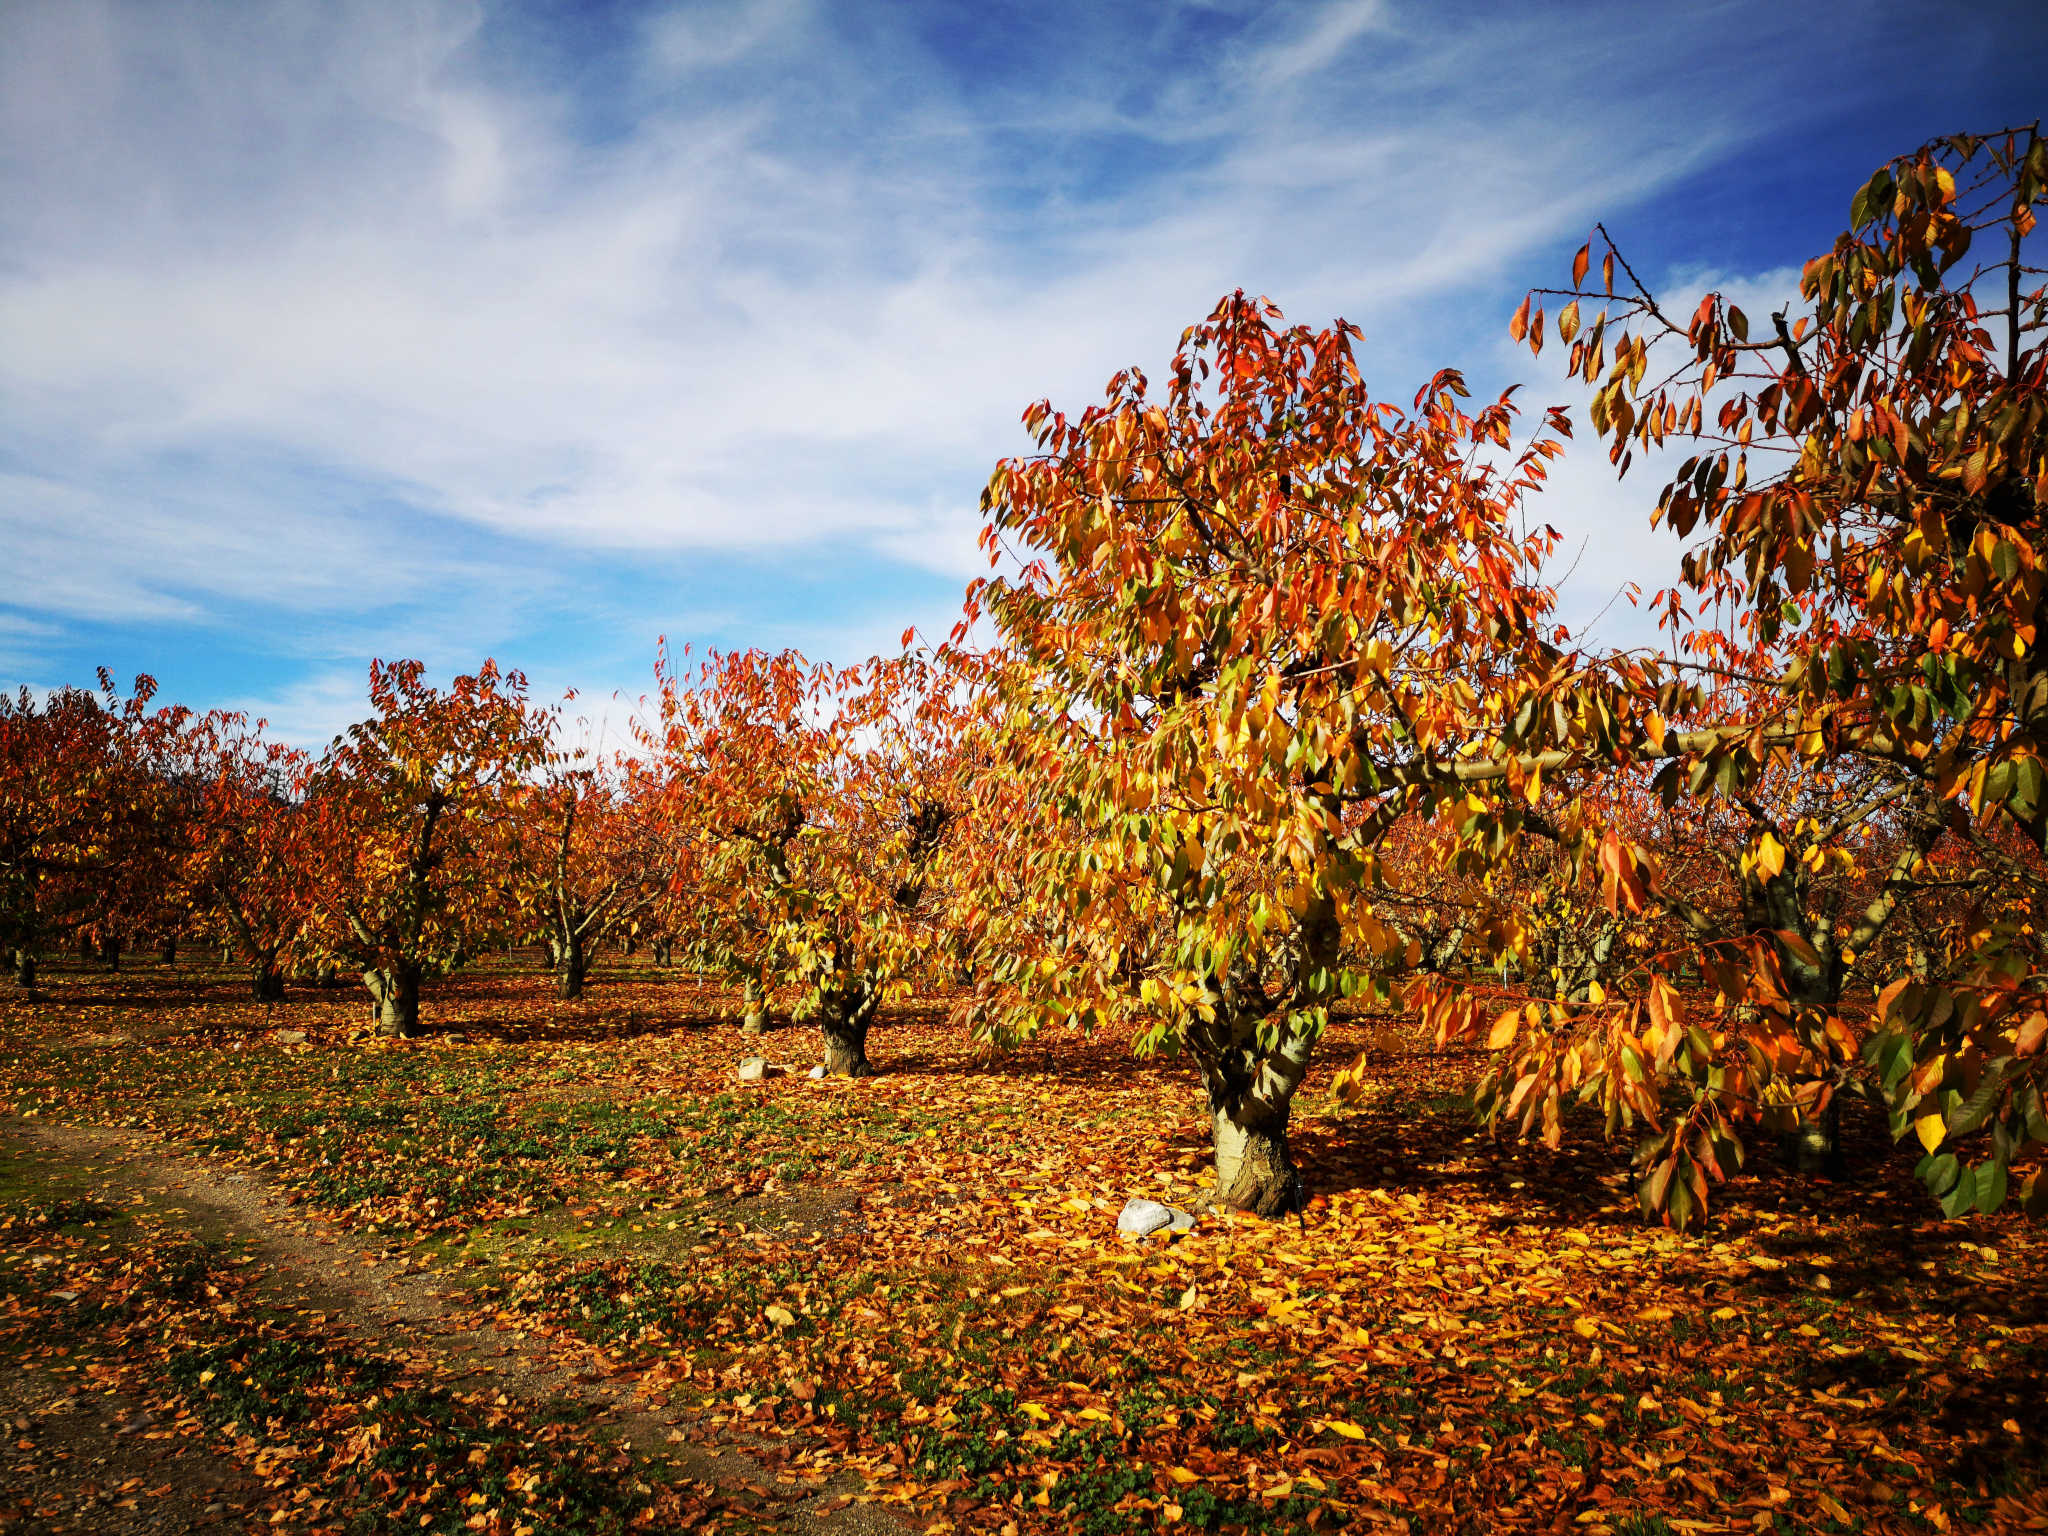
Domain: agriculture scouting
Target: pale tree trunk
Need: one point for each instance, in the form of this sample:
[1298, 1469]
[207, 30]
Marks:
[24, 967]
[396, 995]
[1253, 1169]
[1251, 1098]
[754, 1011]
[1251, 1081]
[844, 1018]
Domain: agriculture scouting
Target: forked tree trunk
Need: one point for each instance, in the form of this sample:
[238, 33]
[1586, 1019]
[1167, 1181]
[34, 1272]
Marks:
[1253, 1056]
[396, 995]
[571, 968]
[753, 1011]
[844, 1018]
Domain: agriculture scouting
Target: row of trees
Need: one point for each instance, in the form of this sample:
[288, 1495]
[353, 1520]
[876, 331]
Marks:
[1278, 718]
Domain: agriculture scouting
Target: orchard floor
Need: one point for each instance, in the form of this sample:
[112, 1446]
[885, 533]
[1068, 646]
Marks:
[552, 1268]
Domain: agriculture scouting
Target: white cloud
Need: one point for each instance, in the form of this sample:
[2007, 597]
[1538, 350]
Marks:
[304, 300]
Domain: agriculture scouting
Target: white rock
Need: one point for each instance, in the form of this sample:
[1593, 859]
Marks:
[753, 1069]
[291, 1037]
[818, 1070]
[1183, 1221]
[64, 1295]
[1138, 1217]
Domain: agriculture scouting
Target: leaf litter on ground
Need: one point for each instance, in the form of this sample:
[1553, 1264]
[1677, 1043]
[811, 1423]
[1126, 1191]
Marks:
[908, 1291]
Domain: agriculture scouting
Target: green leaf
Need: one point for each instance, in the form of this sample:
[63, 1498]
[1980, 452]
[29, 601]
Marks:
[1938, 1172]
[1871, 202]
[1969, 1114]
[1990, 1187]
[1963, 1197]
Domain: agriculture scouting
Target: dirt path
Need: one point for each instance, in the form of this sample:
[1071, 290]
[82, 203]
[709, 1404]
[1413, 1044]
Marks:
[88, 1461]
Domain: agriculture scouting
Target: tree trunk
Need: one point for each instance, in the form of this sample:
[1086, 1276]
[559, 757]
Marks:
[1253, 1169]
[169, 953]
[663, 953]
[1253, 1056]
[570, 967]
[1815, 1145]
[754, 1011]
[24, 967]
[396, 995]
[844, 1018]
[266, 980]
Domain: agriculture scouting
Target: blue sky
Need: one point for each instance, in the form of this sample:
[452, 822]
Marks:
[536, 331]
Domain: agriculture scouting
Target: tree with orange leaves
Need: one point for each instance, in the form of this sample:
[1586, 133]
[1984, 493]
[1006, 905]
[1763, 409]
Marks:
[594, 862]
[1258, 622]
[1863, 615]
[247, 863]
[416, 852]
[814, 804]
[80, 809]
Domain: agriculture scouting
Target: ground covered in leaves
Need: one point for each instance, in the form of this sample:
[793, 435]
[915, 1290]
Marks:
[553, 1268]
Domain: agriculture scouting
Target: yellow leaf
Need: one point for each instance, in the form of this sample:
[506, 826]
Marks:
[1725, 1314]
[1654, 1315]
[1345, 1427]
[1595, 1420]
[1585, 1328]
[781, 1317]
[1183, 1476]
[1808, 1330]
[1035, 1411]
[1930, 1129]
[1770, 857]
[1502, 1035]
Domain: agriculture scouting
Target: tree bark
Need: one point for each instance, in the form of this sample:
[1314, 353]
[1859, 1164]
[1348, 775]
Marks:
[571, 968]
[1254, 1171]
[844, 1018]
[110, 951]
[24, 967]
[754, 1011]
[266, 980]
[169, 953]
[663, 952]
[397, 998]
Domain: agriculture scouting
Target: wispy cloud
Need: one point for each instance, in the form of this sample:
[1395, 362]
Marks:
[438, 323]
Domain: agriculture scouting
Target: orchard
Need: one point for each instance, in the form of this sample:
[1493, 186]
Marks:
[1576, 1087]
